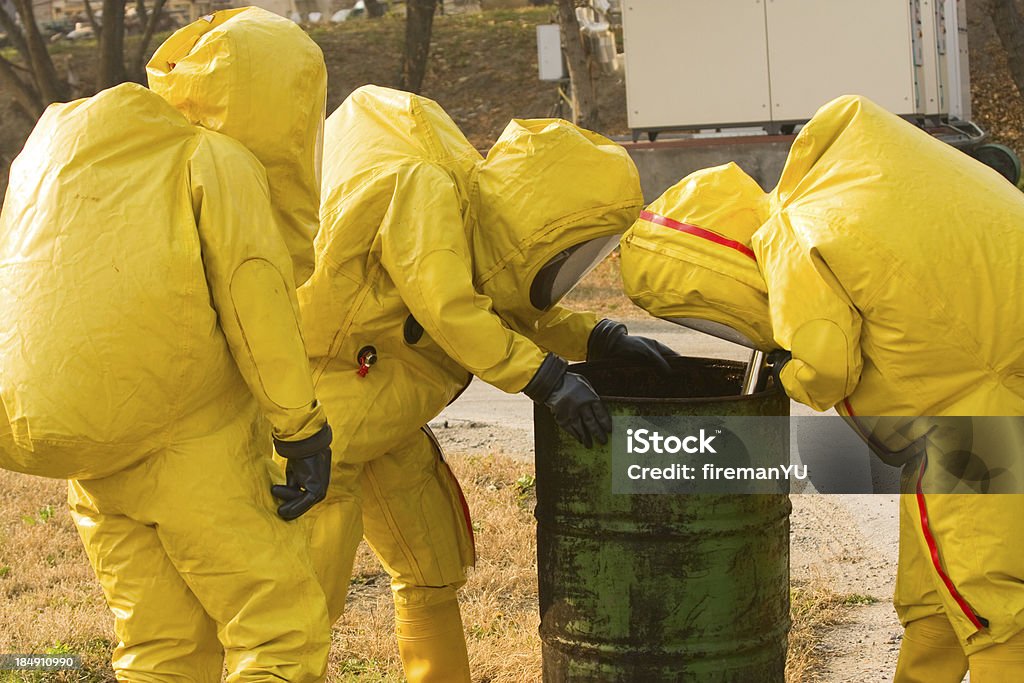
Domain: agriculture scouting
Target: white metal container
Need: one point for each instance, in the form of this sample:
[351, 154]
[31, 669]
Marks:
[718, 63]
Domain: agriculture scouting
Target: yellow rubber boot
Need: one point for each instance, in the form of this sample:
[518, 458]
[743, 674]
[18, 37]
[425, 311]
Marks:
[430, 637]
[930, 653]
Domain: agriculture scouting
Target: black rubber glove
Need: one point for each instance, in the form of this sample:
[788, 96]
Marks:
[610, 339]
[574, 404]
[777, 360]
[308, 472]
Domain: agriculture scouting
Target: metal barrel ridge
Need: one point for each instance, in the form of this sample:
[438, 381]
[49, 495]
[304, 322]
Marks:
[652, 588]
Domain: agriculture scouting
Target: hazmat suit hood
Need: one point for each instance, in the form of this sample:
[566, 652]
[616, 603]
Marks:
[551, 201]
[377, 128]
[258, 78]
[689, 255]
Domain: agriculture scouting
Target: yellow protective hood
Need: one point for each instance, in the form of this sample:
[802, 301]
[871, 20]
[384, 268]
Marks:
[545, 186]
[689, 255]
[258, 78]
[377, 128]
[890, 244]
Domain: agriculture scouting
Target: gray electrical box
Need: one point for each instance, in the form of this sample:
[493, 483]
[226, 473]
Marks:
[550, 63]
[718, 63]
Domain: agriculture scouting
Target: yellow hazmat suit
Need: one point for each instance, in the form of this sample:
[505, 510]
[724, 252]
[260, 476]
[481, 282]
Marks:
[150, 328]
[885, 259]
[425, 262]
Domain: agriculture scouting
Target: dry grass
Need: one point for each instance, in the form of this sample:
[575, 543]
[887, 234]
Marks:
[50, 602]
[814, 608]
[499, 602]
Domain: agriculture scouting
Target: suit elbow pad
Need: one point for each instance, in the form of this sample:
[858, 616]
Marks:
[262, 303]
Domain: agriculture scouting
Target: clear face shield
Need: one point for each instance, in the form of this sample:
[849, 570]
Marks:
[715, 330]
[563, 272]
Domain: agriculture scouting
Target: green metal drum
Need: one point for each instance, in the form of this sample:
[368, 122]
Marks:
[651, 588]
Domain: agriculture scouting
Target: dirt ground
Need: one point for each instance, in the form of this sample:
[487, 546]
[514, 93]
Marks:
[829, 546]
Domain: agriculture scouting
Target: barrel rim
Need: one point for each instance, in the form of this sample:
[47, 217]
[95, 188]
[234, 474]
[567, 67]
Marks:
[773, 387]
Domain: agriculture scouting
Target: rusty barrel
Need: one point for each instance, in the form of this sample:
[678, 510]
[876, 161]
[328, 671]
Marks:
[652, 588]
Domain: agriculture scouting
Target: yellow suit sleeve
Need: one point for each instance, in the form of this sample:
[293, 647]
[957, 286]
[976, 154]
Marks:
[565, 332]
[811, 316]
[249, 273]
[425, 250]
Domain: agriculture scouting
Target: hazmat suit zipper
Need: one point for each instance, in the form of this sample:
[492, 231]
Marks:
[978, 621]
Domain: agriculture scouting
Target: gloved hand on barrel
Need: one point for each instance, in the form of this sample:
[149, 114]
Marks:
[574, 404]
[777, 360]
[610, 340]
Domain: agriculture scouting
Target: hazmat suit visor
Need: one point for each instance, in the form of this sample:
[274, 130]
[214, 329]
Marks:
[258, 78]
[715, 330]
[562, 273]
[551, 200]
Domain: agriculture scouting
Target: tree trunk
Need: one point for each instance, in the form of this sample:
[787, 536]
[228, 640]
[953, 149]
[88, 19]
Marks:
[91, 16]
[48, 85]
[1010, 28]
[111, 57]
[419, 21]
[26, 99]
[137, 66]
[584, 96]
[140, 12]
[375, 8]
[10, 26]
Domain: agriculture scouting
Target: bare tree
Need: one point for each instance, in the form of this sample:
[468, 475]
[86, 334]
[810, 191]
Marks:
[584, 93]
[375, 8]
[111, 63]
[137, 60]
[419, 21]
[1009, 25]
[91, 16]
[35, 83]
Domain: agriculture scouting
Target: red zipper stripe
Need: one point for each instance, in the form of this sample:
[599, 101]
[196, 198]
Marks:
[934, 550]
[926, 529]
[658, 219]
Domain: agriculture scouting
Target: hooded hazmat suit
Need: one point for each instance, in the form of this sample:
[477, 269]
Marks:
[426, 261]
[150, 344]
[882, 261]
